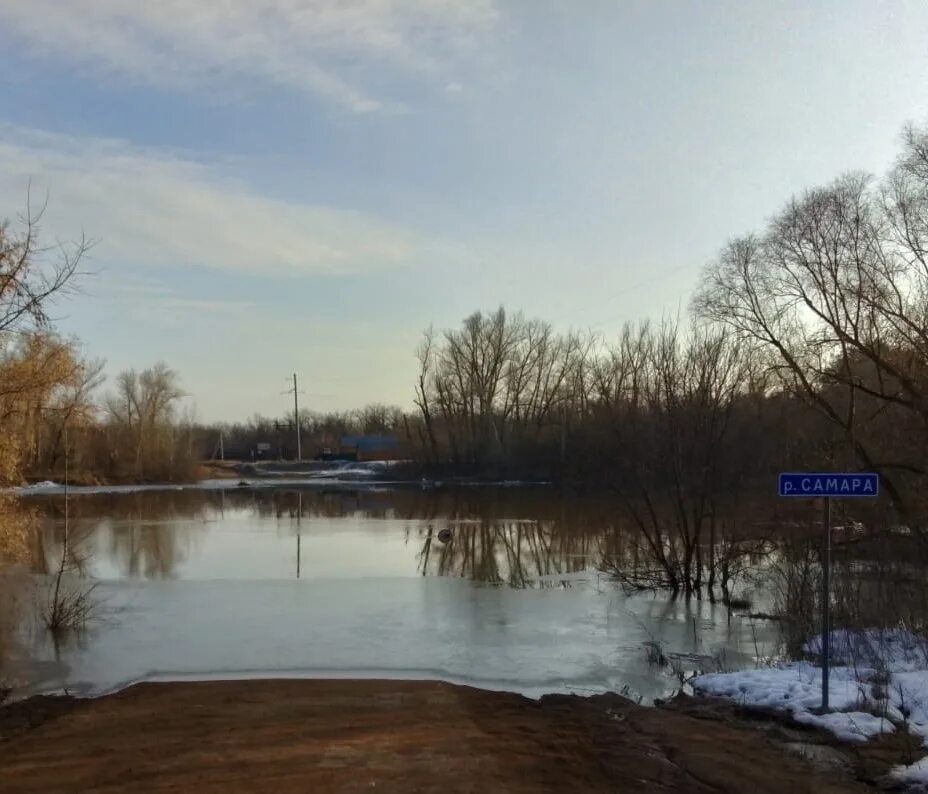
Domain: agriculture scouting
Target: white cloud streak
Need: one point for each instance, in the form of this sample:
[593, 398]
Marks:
[329, 49]
[159, 306]
[155, 208]
[136, 293]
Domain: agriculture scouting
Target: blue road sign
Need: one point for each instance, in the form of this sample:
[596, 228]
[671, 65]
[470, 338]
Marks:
[829, 484]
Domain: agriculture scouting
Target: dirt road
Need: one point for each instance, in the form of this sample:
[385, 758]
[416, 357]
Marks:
[393, 736]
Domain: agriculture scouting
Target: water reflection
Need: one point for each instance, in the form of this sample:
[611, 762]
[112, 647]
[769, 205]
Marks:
[517, 538]
[305, 582]
[517, 553]
[507, 538]
[12, 609]
[118, 548]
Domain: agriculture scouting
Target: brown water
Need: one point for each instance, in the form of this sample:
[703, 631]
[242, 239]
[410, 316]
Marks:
[277, 582]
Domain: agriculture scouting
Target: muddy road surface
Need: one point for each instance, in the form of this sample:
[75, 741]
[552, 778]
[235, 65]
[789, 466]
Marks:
[386, 736]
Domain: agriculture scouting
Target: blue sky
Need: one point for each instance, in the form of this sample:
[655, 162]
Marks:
[298, 185]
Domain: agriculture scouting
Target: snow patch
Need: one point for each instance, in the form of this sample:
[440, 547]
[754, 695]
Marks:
[45, 485]
[848, 726]
[878, 672]
[912, 775]
[795, 688]
[894, 650]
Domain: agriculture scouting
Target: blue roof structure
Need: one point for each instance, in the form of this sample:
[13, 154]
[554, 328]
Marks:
[370, 443]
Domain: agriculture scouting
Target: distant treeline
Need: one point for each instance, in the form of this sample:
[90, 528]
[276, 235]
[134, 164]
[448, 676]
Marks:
[55, 423]
[806, 346]
[318, 432]
[52, 415]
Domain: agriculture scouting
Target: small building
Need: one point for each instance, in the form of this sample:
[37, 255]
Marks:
[370, 448]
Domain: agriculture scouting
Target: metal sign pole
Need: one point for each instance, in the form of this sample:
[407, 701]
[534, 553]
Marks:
[827, 485]
[826, 603]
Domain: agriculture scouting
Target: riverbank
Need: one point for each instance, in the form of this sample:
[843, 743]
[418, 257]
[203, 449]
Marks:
[207, 470]
[348, 735]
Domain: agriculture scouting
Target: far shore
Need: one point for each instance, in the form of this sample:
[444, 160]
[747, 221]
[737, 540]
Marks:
[400, 471]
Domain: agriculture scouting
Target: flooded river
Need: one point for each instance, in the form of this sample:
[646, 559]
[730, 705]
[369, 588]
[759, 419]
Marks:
[499, 588]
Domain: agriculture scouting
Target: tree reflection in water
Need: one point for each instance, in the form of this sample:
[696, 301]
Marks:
[517, 553]
[518, 538]
[14, 590]
[515, 537]
[146, 534]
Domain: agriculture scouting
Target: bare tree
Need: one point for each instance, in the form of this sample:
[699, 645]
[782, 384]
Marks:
[498, 383]
[72, 407]
[30, 277]
[833, 295]
[672, 397]
[142, 409]
[422, 392]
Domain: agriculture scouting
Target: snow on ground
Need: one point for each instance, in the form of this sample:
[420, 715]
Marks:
[879, 682]
[913, 775]
[797, 689]
[39, 487]
[350, 470]
[57, 489]
[353, 479]
[848, 726]
[49, 488]
[335, 469]
[895, 649]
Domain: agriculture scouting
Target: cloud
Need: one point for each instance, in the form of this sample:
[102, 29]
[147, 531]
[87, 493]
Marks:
[147, 302]
[325, 48]
[157, 207]
[136, 293]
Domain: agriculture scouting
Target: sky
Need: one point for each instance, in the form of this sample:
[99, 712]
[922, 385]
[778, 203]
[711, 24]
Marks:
[279, 186]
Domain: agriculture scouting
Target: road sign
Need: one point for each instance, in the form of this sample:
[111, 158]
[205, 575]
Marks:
[829, 484]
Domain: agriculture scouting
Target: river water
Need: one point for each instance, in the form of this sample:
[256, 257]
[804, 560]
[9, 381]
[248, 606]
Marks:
[200, 584]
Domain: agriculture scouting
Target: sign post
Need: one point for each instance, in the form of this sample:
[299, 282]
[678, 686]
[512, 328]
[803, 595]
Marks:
[827, 485]
[826, 605]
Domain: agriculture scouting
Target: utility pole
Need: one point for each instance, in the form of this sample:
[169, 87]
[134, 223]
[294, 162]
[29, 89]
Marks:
[296, 419]
[219, 449]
